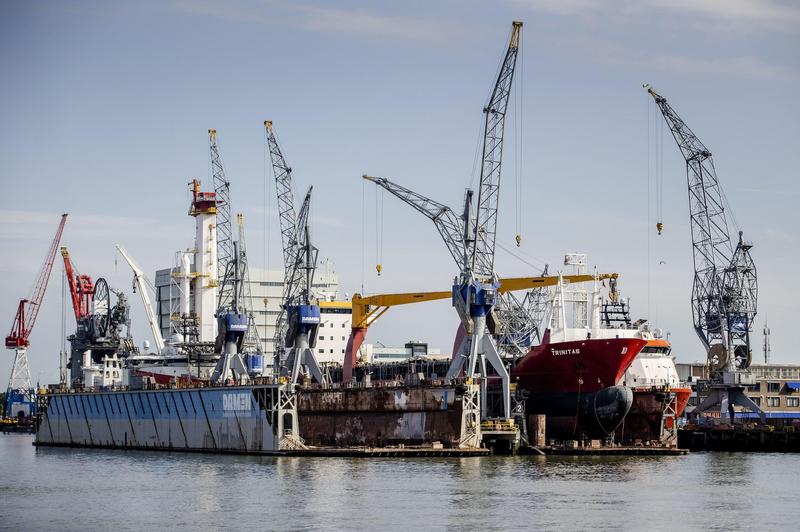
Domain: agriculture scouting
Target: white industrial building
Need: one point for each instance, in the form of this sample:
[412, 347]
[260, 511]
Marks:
[266, 291]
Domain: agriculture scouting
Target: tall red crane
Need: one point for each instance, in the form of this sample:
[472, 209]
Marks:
[20, 382]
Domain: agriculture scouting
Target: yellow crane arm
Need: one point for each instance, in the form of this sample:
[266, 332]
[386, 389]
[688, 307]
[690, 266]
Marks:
[514, 284]
[367, 309]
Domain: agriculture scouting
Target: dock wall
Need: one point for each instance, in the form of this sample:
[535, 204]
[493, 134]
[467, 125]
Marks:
[239, 419]
[381, 416]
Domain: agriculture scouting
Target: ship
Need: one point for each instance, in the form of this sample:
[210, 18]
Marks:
[659, 397]
[572, 377]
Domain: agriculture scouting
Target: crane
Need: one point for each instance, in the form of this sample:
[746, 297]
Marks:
[20, 387]
[140, 286]
[725, 287]
[225, 252]
[367, 309]
[471, 239]
[252, 342]
[81, 288]
[298, 320]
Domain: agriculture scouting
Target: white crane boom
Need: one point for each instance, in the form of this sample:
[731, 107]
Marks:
[138, 279]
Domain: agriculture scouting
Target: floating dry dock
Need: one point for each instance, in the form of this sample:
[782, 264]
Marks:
[270, 418]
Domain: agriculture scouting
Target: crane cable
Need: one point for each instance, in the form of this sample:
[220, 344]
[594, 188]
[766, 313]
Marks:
[363, 232]
[379, 230]
[518, 119]
[649, 181]
[659, 174]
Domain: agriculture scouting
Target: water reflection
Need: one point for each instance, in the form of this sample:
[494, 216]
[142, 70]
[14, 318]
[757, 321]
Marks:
[148, 490]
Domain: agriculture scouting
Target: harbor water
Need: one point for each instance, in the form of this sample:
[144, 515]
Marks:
[91, 489]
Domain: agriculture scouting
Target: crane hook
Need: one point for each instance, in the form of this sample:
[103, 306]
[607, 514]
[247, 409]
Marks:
[378, 267]
[659, 226]
[519, 240]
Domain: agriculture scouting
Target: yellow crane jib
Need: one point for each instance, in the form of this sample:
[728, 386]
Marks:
[513, 284]
[367, 309]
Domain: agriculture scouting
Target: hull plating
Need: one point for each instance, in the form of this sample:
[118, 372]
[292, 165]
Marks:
[570, 415]
[215, 420]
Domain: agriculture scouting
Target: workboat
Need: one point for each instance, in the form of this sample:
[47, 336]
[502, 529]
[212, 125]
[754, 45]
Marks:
[573, 376]
[659, 397]
[573, 383]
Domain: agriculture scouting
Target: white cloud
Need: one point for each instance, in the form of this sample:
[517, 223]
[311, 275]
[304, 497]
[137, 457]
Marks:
[317, 18]
[745, 14]
[610, 53]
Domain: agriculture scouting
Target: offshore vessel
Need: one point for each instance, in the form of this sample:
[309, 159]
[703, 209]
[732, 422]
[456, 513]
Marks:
[659, 397]
[572, 376]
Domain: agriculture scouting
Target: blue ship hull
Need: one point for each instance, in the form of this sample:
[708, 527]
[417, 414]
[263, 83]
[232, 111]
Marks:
[232, 419]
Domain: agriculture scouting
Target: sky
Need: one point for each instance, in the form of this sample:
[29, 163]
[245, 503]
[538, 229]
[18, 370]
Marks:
[106, 107]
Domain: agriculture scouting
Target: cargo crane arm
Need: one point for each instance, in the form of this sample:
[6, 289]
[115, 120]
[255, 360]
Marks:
[251, 338]
[725, 287]
[485, 226]
[724, 292]
[298, 319]
[288, 223]
[28, 309]
[81, 288]
[139, 284]
[225, 248]
[448, 223]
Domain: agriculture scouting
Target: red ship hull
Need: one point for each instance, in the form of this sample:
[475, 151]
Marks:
[573, 384]
[579, 366]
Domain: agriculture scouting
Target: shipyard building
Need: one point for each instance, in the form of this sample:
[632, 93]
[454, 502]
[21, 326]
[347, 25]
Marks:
[776, 389]
[266, 292]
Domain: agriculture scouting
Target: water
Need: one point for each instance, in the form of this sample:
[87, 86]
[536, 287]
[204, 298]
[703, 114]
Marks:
[64, 489]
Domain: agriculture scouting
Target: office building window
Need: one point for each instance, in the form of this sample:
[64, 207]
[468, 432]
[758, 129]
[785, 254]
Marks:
[331, 351]
[773, 401]
[793, 401]
[756, 400]
[773, 387]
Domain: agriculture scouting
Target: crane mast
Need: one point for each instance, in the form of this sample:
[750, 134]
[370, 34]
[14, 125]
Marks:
[725, 287]
[225, 252]
[489, 192]
[288, 224]
[471, 239]
[298, 320]
[252, 341]
[20, 385]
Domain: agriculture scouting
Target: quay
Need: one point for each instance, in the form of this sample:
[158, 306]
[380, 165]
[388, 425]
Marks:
[744, 438]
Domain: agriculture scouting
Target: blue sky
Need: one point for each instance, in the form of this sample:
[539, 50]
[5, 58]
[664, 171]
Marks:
[106, 106]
